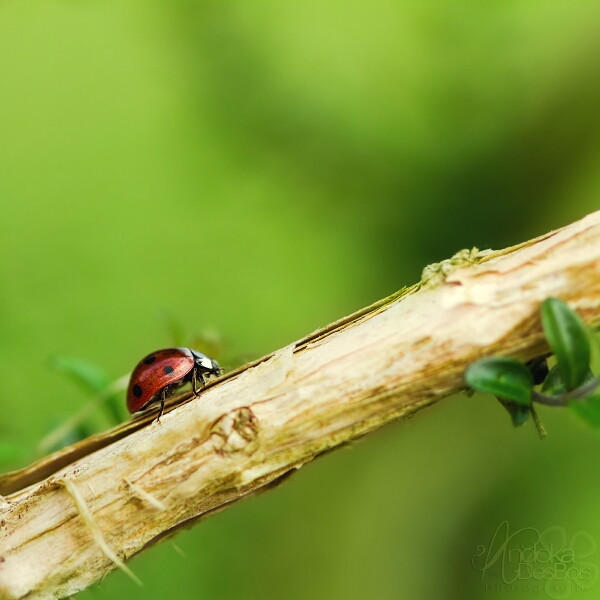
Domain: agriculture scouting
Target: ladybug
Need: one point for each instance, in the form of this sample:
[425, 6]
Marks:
[159, 374]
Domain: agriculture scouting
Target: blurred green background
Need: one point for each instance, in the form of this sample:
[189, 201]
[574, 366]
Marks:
[259, 170]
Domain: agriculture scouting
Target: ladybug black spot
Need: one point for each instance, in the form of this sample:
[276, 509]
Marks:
[168, 370]
[137, 390]
[149, 359]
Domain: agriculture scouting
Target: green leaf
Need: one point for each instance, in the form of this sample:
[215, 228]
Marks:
[92, 379]
[519, 413]
[503, 377]
[587, 409]
[69, 435]
[568, 338]
[87, 375]
[554, 384]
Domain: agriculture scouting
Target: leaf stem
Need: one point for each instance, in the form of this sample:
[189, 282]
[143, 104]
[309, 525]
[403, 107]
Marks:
[538, 423]
[563, 399]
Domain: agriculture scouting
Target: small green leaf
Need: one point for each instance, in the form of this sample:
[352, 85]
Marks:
[568, 338]
[554, 384]
[92, 379]
[87, 375]
[503, 377]
[69, 435]
[587, 409]
[519, 413]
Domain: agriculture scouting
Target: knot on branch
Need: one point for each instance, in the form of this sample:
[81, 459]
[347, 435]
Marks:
[236, 431]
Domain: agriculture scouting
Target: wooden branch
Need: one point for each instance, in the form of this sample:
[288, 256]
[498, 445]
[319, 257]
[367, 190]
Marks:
[91, 507]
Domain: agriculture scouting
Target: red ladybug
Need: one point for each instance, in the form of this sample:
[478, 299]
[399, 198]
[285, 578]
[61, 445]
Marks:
[160, 373]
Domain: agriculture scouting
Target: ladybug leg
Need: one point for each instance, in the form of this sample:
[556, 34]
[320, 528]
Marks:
[195, 375]
[162, 404]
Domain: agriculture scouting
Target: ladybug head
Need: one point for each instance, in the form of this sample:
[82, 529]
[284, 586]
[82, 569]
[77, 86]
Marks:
[206, 364]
